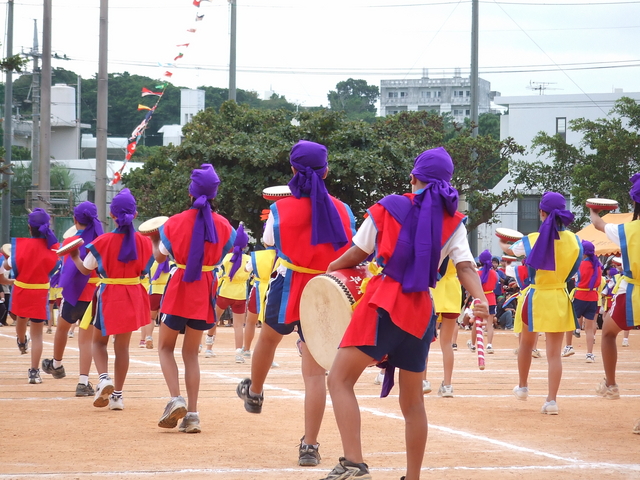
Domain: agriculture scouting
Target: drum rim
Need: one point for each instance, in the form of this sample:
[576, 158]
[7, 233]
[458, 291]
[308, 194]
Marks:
[63, 249]
[154, 219]
[508, 235]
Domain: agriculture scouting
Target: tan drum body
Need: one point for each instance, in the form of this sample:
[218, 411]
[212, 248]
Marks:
[326, 307]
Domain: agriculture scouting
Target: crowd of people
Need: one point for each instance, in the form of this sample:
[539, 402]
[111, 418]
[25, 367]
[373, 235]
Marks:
[195, 266]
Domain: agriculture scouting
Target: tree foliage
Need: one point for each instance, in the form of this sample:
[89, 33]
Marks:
[356, 98]
[249, 149]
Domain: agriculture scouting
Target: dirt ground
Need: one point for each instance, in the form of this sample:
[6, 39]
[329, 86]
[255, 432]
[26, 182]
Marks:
[483, 432]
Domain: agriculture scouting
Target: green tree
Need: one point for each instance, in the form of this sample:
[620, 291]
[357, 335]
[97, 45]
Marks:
[356, 98]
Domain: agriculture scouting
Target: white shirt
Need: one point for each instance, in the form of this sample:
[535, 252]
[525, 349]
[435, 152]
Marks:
[268, 236]
[611, 229]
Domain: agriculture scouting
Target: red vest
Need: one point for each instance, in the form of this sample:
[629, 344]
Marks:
[585, 274]
[489, 286]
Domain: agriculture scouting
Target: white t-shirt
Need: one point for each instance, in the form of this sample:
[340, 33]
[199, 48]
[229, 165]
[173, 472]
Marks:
[611, 229]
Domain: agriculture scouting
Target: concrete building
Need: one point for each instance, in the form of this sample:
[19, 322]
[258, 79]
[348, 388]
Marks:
[439, 95]
[525, 118]
[191, 102]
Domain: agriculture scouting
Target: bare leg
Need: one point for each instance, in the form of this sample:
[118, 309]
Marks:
[609, 349]
[238, 328]
[60, 339]
[489, 340]
[569, 338]
[99, 351]
[249, 330]
[590, 328]
[448, 327]
[121, 363]
[554, 362]
[190, 345]
[166, 346]
[84, 347]
[527, 340]
[415, 417]
[36, 329]
[21, 329]
[263, 355]
[315, 396]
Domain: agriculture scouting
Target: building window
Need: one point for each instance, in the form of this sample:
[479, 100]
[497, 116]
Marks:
[561, 127]
[403, 94]
[467, 112]
[437, 94]
[468, 93]
[393, 94]
[458, 93]
[426, 94]
[528, 213]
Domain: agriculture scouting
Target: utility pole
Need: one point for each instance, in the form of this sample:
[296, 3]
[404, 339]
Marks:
[102, 113]
[35, 110]
[45, 108]
[473, 234]
[232, 52]
[8, 101]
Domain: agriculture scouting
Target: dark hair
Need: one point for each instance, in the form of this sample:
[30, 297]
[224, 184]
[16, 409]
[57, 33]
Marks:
[211, 203]
[35, 233]
[636, 210]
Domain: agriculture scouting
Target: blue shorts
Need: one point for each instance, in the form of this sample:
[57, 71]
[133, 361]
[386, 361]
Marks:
[175, 322]
[73, 313]
[405, 351]
[272, 312]
[586, 309]
[492, 309]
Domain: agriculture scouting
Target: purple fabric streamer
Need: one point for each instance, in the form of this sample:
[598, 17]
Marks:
[162, 268]
[389, 378]
[204, 186]
[543, 255]
[415, 260]
[239, 244]
[635, 189]
[310, 161]
[123, 208]
[589, 250]
[39, 219]
[487, 265]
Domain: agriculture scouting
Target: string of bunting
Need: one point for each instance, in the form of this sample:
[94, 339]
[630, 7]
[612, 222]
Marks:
[158, 92]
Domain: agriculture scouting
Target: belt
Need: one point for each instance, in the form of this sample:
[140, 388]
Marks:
[585, 289]
[205, 268]
[299, 269]
[94, 280]
[550, 286]
[487, 293]
[32, 286]
[120, 281]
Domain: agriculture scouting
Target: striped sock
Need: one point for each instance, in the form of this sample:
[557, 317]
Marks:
[117, 394]
[103, 376]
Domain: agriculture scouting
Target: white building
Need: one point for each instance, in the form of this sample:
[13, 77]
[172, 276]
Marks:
[526, 117]
[191, 102]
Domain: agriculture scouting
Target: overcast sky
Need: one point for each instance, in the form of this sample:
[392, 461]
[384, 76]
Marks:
[301, 49]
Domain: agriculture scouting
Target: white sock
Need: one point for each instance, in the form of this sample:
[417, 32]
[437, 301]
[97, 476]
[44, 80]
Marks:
[57, 363]
[84, 379]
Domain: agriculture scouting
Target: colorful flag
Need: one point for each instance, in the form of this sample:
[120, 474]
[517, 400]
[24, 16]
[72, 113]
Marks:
[143, 107]
[199, 17]
[161, 86]
[183, 45]
[167, 73]
[191, 30]
[146, 92]
[197, 3]
[180, 55]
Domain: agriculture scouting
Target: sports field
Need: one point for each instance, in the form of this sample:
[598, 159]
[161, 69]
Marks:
[483, 432]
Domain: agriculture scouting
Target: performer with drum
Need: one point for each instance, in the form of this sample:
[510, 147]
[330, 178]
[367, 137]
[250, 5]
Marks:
[77, 293]
[309, 229]
[490, 280]
[553, 255]
[158, 278]
[625, 312]
[197, 239]
[410, 234]
[32, 262]
[122, 258]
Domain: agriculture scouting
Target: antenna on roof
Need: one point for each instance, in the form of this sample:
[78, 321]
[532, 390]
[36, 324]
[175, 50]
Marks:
[541, 86]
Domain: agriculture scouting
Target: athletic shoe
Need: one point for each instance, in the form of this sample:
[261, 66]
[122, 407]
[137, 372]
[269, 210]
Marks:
[251, 404]
[591, 358]
[471, 346]
[47, 367]
[379, 378]
[148, 342]
[208, 340]
[116, 403]
[299, 346]
[142, 344]
[70, 335]
[610, 392]
[455, 347]
[23, 347]
[625, 342]
[489, 348]
[246, 353]
[346, 470]
[103, 390]
[190, 423]
[208, 353]
[49, 330]
[174, 411]
[576, 333]
[536, 353]
[636, 427]
[426, 386]
[568, 351]
[34, 375]
[521, 393]
[275, 364]
[239, 356]
[83, 390]
[308, 455]
[445, 391]
[550, 408]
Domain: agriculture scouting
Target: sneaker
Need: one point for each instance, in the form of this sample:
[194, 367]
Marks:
[576, 333]
[208, 353]
[103, 390]
[275, 364]
[346, 470]
[471, 346]
[246, 353]
[379, 378]
[142, 344]
[251, 404]
[568, 351]
[148, 342]
[489, 348]
[299, 346]
[23, 347]
[426, 386]
[625, 342]
[34, 375]
[308, 455]
[239, 356]
[70, 335]
[174, 411]
[445, 391]
[636, 427]
[590, 358]
[47, 367]
[536, 353]
[521, 393]
[116, 403]
[83, 390]
[208, 340]
[455, 347]
[190, 423]
[49, 329]
[550, 408]
[610, 392]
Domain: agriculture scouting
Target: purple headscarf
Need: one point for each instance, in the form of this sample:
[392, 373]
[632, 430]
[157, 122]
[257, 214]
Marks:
[310, 161]
[204, 186]
[123, 208]
[543, 255]
[163, 267]
[613, 271]
[415, 260]
[71, 280]
[589, 250]
[241, 241]
[635, 189]
[39, 219]
[487, 265]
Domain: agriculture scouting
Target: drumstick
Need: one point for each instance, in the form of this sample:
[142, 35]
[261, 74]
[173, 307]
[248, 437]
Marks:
[479, 339]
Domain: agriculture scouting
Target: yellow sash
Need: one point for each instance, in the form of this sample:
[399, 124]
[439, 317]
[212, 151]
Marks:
[205, 268]
[549, 286]
[94, 280]
[121, 281]
[32, 286]
[86, 318]
[299, 269]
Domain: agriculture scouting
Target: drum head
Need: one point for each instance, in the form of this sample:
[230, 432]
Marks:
[71, 231]
[508, 234]
[325, 313]
[70, 247]
[152, 225]
[601, 204]
[277, 192]
[6, 250]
